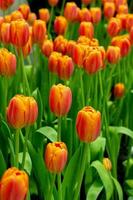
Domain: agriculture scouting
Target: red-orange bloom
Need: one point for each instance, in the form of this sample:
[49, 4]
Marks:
[53, 61]
[70, 47]
[95, 14]
[7, 63]
[119, 90]
[22, 111]
[5, 33]
[113, 54]
[60, 99]
[129, 21]
[88, 124]
[44, 14]
[71, 11]
[47, 47]
[19, 31]
[114, 26]
[31, 18]
[123, 19]
[86, 2]
[56, 156]
[78, 54]
[60, 25]
[38, 31]
[53, 2]
[123, 9]
[109, 9]
[86, 29]
[84, 15]
[25, 10]
[14, 185]
[27, 48]
[16, 15]
[60, 44]
[5, 4]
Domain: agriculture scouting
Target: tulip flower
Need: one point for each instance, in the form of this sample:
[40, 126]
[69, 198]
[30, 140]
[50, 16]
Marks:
[113, 54]
[5, 4]
[44, 14]
[107, 164]
[123, 19]
[22, 111]
[95, 14]
[86, 29]
[31, 18]
[78, 54]
[123, 9]
[88, 123]
[55, 156]
[129, 22]
[114, 26]
[71, 11]
[14, 185]
[86, 2]
[109, 9]
[60, 25]
[25, 10]
[27, 48]
[16, 15]
[70, 47]
[60, 44]
[47, 47]
[84, 15]
[60, 99]
[38, 31]
[119, 90]
[5, 33]
[53, 61]
[53, 2]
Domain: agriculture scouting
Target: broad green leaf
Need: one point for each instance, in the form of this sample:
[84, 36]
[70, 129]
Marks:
[105, 178]
[118, 188]
[121, 130]
[2, 164]
[94, 190]
[48, 132]
[28, 163]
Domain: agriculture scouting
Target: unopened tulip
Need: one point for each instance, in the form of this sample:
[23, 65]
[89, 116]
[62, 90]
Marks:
[19, 31]
[53, 2]
[60, 44]
[88, 123]
[71, 11]
[78, 54]
[86, 29]
[56, 156]
[31, 18]
[60, 25]
[107, 164]
[53, 61]
[47, 47]
[70, 47]
[60, 99]
[119, 90]
[65, 67]
[16, 15]
[129, 21]
[5, 4]
[14, 185]
[22, 111]
[113, 54]
[25, 10]
[95, 14]
[7, 63]
[114, 26]
[44, 14]
[5, 33]
[109, 10]
[84, 15]
[38, 31]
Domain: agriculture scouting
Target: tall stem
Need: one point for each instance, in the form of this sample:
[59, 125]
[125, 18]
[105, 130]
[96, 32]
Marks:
[59, 186]
[50, 21]
[62, 7]
[59, 129]
[17, 147]
[82, 88]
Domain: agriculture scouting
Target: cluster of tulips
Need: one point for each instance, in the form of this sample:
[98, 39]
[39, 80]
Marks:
[65, 101]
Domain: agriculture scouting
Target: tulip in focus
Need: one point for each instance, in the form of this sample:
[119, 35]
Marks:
[56, 156]
[44, 14]
[88, 124]
[14, 185]
[113, 54]
[119, 90]
[86, 29]
[22, 111]
[5, 4]
[60, 99]
[60, 25]
[107, 164]
[38, 31]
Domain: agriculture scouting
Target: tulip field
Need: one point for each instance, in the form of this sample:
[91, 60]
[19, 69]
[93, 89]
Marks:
[66, 100]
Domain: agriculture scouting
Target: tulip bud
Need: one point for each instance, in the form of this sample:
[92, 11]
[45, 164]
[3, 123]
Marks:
[16, 15]
[78, 54]
[114, 26]
[53, 2]
[53, 61]
[107, 164]
[47, 47]
[60, 99]
[5, 33]
[119, 90]
[7, 63]
[14, 185]
[86, 2]
[56, 156]
[113, 54]
[60, 25]
[31, 18]
[5, 4]
[25, 10]
[60, 44]
[95, 14]
[19, 31]
[70, 47]
[38, 31]
[109, 10]
[44, 14]
[88, 123]
[86, 29]
[129, 21]
[71, 11]
[84, 15]
[22, 111]
[65, 67]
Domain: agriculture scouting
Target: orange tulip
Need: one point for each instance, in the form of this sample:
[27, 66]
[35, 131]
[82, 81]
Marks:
[53, 61]
[70, 47]
[86, 2]
[95, 14]
[44, 14]
[56, 156]
[47, 47]
[22, 111]
[84, 15]
[109, 9]
[27, 48]
[14, 185]
[60, 44]
[53, 2]
[38, 31]
[25, 10]
[16, 15]
[107, 164]
[5, 33]
[119, 90]
[114, 26]
[65, 67]
[120, 2]
[7, 63]
[71, 11]
[19, 31]
[31, 18]
[86, 29]
[60, 99]
[7, 18]
[5, 4]
[78, 54]
[123, 9]
[129, 21]
[88, 123]
[60, 25]
[113, 54]
[123, 19]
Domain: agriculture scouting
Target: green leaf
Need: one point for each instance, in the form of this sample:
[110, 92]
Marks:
[121, 130]
[94, 190]
[48, 132]
[28, 163]
[105, 178]
[118, 188]
[2, 164]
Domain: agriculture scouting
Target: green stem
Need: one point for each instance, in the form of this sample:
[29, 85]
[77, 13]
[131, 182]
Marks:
[5, 92]
[59, 129]
[50, 21]
[59, 186]
[82, 88]
[25, 147]
[51, 186]
[62, 7]
[17, 147]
